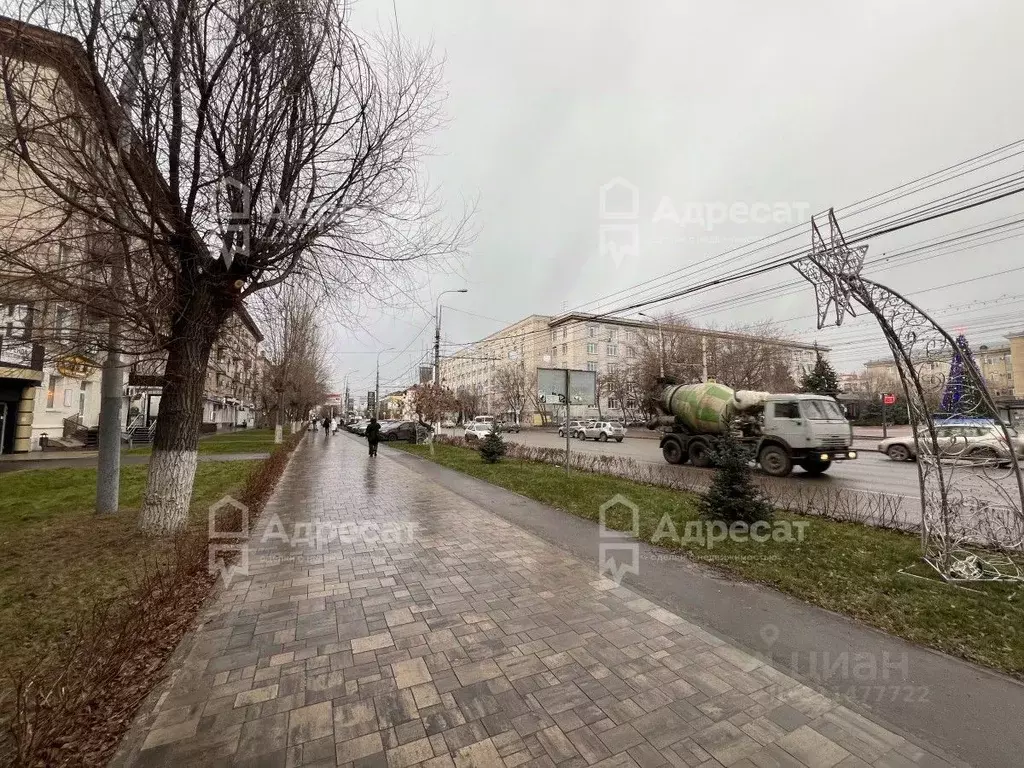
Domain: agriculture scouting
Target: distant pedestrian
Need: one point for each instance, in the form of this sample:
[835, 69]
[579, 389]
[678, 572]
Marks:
[334, 425]
[327, 426]
[373, 435]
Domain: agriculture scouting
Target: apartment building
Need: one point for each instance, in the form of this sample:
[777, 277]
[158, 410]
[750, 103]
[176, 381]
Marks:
[605, 345]
[55, 261]
[1001, 364]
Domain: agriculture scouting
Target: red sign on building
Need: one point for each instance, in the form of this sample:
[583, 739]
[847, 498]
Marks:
[889, 399]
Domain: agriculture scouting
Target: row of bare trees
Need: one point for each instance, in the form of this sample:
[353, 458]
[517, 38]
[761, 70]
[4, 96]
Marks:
[250, 144]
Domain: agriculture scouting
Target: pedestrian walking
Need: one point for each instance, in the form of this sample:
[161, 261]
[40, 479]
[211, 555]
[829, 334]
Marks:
[334, 425]
[327, 426]
[373, 435]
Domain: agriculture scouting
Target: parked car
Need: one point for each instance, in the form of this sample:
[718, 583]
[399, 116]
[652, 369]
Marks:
[409, 431]
[976, 440]
[448, 424]
[359, 427]
[603, 431]
[478, 430]
[574, 427]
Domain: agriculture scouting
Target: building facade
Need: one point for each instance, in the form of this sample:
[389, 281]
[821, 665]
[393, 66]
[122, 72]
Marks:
[604, 345]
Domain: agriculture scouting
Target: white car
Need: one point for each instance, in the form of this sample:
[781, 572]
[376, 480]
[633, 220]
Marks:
[603, 431]
[479, 430]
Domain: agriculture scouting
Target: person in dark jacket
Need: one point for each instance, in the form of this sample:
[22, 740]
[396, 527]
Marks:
[373, 435]
[327, 426]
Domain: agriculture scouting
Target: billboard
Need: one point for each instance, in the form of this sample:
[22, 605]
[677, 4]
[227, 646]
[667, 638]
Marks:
[371, 399]
[551, 387]
[333, 398]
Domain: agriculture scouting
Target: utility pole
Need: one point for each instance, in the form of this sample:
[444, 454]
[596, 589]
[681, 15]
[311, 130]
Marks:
[376, 397]
[661, 344]
[704, 357]
[437, 334]
[108, 470]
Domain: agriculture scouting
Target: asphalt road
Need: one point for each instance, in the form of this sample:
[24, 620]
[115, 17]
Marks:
[870, 487]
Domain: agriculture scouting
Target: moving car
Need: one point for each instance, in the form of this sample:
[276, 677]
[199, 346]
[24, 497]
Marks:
[409, 431]
[574, 427]
[602, 430]
[973, 439]
[508, 426]
[478, 430]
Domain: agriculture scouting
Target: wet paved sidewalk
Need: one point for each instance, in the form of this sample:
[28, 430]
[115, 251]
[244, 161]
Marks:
[428, 631]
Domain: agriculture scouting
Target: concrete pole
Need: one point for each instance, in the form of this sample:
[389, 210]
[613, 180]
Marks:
[704, 357]
[108, 469]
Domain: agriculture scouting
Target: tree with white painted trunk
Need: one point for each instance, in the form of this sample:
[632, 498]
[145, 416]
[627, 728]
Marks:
[268, 143]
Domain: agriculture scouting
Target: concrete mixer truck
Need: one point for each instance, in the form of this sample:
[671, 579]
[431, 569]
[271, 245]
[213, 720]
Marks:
[809, 431]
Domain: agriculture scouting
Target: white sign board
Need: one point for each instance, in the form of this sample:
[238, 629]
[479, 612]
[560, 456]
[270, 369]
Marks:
[551, 387]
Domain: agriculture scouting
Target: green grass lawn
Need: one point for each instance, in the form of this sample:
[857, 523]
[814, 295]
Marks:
[241, 441]
[843, 567]
[57, 558]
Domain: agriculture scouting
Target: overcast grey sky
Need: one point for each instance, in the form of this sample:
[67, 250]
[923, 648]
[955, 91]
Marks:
[796, 105]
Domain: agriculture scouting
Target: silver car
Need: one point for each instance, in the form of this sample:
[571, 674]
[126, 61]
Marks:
[603, 431]
[982, 442]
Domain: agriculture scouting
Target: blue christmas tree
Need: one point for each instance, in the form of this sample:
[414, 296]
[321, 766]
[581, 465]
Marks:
[959, 397]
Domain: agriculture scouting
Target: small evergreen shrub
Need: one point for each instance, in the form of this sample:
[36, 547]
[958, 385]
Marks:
[492, 448]
[733, 496]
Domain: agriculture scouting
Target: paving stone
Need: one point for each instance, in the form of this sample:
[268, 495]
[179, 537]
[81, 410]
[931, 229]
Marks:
[811, 748]
[361, 746]
[467, 642]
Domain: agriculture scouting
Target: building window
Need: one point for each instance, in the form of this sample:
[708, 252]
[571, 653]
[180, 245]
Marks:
[554, 335]
[591, 349]
[612, 333]
[630, 352]
[63, 323]
[613, 403]
[565, 332]
[563, 348]
[591, 365]
[591, 331]
[612, 367]
[554, 351]
[51, 391]
[630, 335]
[612, 350]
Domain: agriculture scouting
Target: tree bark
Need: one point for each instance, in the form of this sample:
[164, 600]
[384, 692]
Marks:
[172, 466]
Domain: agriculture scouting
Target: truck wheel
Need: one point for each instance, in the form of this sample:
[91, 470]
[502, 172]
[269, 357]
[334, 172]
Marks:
[699, 455]
[775, 461]
[673, 452]
[815, 467]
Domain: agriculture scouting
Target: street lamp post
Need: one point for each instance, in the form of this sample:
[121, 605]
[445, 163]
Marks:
[437, 334]
[661, 342]
[376, 396]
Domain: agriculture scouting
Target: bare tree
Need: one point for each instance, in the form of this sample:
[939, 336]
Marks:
[295, 373]
[513, 392]
[432, 403]
[267, 142]
[468, 400]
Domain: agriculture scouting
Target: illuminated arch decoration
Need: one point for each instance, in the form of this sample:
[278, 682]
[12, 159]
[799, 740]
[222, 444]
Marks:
[972, 505]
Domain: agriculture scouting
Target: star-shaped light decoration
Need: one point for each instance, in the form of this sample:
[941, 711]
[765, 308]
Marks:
[829, 267]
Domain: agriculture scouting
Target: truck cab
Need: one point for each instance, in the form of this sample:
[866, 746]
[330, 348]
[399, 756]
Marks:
[807, 430]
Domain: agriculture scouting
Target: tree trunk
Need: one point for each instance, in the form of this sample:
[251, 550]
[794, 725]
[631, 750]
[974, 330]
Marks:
[172, 465]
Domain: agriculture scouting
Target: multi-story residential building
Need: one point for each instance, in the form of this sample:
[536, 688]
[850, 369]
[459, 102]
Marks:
[1001, 364]
[232, 379]
[605, 345]
[53, 274]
